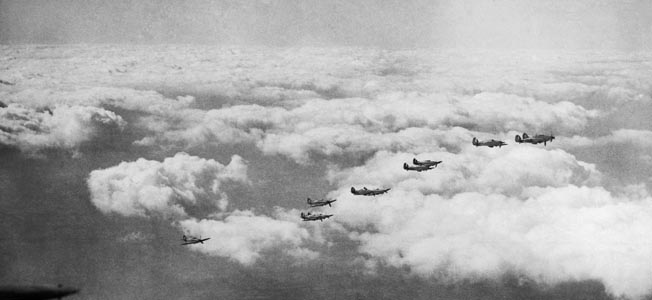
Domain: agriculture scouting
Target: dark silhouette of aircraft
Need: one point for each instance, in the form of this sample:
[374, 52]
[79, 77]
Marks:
[35, 292]
[310, 217]
[417, 168]
[491, 143]
[537, 139]
[322, 202]
[425, 162]
[365, 192]
[188, 240]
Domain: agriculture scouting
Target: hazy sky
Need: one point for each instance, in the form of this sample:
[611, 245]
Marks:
[391, 23]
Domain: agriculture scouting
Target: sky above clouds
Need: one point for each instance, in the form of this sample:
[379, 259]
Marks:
[505, 24]
[219, 119]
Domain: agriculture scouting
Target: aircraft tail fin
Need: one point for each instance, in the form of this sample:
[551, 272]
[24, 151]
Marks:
[525, 136]
[309, 201]
[415, 161]
[475, 141]
[405, 166]
[184, 238]
[352, 190]
[518, 139]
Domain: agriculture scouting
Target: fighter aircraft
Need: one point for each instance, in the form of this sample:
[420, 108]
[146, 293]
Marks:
[188, 240]
[322, 202]
[537, 139]
[417, 168]
[365, 192]
[310, 217]
[433, 163]
[35, 292]
[492, 143]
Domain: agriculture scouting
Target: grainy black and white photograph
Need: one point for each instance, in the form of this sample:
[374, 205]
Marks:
[326, 149]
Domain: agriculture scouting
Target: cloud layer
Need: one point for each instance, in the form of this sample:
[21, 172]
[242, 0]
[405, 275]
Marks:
[550, 212]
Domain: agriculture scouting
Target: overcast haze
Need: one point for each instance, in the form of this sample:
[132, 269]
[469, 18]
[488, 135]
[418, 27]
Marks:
[579, 24]
[124, 125]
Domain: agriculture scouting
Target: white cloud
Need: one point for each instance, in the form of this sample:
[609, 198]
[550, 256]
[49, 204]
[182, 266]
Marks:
[188, 188]
[635, 137]
[354, 126]
[538, 209]
[126, 98]
[64, 127]
[485, 211]
[168, 188]
[326, 102]
[506, 170]
[245, 237]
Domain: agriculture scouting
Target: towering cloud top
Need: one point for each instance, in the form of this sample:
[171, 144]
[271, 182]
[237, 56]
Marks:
[174, 187]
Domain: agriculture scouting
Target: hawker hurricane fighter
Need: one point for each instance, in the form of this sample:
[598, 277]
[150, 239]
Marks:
[537, 139]
[491, 143]
[365, 192]
[188, 240]
[433, 163]
[310, 217]
[417, 168]
[322, 202]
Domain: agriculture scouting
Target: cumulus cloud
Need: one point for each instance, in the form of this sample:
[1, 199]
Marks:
[326, 102]
[506, 171]
[567, 233]
[484, 212]
[634, 137]
[541, 210]
[352, 126]
[189, 189]
[66, 127]
[244, 236]
[121, 97]
[558, 234]
[169, 188]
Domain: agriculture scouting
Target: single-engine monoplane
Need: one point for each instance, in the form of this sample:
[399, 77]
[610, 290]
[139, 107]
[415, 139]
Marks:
[490, 143]
[433, 163]
[366, 192]
[322, 202]
[189, 240]
[312, 217]
[417, 168]
[536, 139]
